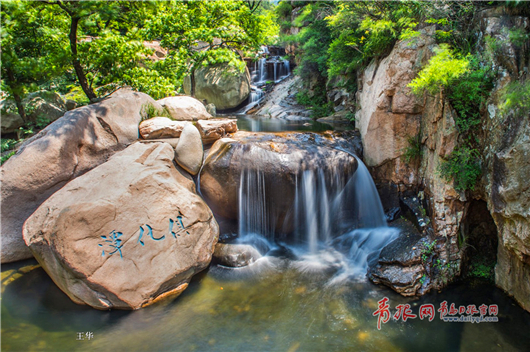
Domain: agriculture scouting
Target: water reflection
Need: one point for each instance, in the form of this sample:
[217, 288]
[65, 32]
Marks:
[230, 310]
[256, 123]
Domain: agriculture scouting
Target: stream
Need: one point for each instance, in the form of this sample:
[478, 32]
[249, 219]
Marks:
[309, 293]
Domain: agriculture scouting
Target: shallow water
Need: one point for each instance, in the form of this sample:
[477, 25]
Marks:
[255, 123]
[274, 305]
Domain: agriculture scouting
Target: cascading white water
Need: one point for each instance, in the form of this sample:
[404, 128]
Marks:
[254, 215]
[334, 215]
[262, 69]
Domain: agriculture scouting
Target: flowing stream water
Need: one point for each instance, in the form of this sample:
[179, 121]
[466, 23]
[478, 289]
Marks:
[307, 293]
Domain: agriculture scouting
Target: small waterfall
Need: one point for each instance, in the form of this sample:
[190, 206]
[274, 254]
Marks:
[287, 67]
[254, 215]
[255, 97]
[367, 202]
[334, 213]
[262, 70]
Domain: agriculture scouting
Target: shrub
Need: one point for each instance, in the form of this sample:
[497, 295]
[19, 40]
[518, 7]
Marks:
[413, 151]
[515, 97]
[443, 68]
[463, 168]
[468, 94]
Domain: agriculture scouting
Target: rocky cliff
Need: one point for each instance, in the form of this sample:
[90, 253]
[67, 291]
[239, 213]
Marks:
[390, 118]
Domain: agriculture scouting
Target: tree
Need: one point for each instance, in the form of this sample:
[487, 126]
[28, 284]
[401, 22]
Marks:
[32, 50]
[202, 33]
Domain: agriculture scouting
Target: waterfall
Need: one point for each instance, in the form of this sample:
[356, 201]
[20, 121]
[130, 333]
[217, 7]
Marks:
[367, 202]
[331, 211]
[254, 215]
[287, 67]
[255, 97]
[262, 70]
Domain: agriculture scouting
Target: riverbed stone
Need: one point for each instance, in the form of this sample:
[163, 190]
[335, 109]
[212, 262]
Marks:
[161, 127]
[185, 108]
[77, 142]
[235, 255]
[214, 129]
[189, 152]
[222, 84]
[126, 234]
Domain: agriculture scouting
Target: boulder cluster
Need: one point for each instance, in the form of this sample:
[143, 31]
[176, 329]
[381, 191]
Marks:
[104, 198]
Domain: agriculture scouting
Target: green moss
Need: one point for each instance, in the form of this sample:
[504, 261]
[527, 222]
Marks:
[149, 111]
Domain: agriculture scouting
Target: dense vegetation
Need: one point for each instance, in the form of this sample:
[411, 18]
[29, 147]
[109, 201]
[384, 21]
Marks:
[337, 40]
[86, 50]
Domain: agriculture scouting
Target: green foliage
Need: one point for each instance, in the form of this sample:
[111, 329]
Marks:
[317, 103]
[365, 30]
[149, 111]
[518, 36]
[442, 70]
[413, 151]
[468, 94]
[515, 97]
[463, 168]
[7, 146]
[110, 38]
[5, 157]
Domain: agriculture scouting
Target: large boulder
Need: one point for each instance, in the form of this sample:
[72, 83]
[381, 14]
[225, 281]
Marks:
[125, 234]
[189, 152]
[11, 120]
[214, 129]
[161, 127]
[44, 106]
[79, 141]
[184, 108]
[223, 85]
[41, 107]
[278, 159]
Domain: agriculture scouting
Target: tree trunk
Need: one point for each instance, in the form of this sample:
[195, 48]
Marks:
[192, 82]
[75, 61]
[18, 98]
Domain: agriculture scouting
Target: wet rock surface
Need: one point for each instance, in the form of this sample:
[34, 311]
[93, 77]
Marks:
[279, 157]
[235, 255]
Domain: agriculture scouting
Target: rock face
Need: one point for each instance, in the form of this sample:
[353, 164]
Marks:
[184, 108]
[214, 129]
[507, 161]
[189, 152]
[44, 105]
[222, 85]
[390, 115]
[66, 149]
[161, 127]
[126, 234]
[235, 255]
[279, 157]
